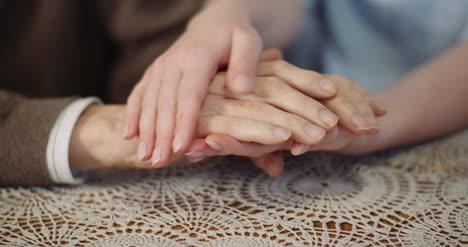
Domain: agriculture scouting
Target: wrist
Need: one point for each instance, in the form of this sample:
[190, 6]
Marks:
[97, 143]
[93, 132]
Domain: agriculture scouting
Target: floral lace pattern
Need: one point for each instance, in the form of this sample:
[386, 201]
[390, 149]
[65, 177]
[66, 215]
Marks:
[413, 197]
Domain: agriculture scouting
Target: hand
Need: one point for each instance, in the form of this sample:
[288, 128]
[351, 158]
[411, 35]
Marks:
[164, 106]
[271, 159]
[96, 142]
[356, 108]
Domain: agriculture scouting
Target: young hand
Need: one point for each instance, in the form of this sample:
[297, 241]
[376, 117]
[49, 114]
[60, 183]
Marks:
[164, 106]
[356, 108]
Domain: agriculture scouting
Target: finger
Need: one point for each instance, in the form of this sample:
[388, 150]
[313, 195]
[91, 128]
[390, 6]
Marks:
[275, 92]
[134, 104]
[308, 82]
[243, 129]
[245, 52]
[148, 117]
[300, 148]
[377, 108]
[219, 144]
[133, 110]
[226, 145]
[271, 163]
[281, 95]
[302, 130]
[366, 111]
[354, 112]
[166, 115]
[198, 150]
[360, 98]
[192, 92]
[333, 140]
[271, 54]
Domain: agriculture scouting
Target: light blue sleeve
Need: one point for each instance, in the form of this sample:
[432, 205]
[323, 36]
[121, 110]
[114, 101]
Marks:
[304, 52]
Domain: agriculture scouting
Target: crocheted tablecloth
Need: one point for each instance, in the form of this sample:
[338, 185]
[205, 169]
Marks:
[414, 197]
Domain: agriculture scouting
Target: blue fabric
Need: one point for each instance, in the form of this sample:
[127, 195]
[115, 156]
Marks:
[376, 41]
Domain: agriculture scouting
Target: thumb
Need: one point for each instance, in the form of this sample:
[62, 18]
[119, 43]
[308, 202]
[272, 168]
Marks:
[245, 53]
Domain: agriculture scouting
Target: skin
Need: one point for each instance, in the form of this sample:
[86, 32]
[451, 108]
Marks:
[410, 103]
[277, 115]
[96, 142]
[164, 106]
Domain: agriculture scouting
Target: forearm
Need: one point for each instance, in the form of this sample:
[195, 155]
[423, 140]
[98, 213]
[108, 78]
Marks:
[429, 102]
[277, 21]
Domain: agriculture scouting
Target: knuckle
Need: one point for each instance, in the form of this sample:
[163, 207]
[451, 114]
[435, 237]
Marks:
[292, 120]
[342, 82]
[347, 106]
[279, 66]
[311, 105]
[249, 33]
[267, 87]
[339, 100]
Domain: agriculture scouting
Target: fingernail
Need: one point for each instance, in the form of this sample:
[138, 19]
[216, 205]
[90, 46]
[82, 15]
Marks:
[328, 86]
[372, 122]
[156, 156]
[177, 144]
[303, 148]
[195, 154]
[214, 145]
[197, 159]
[314, 131]
[243, 84]
[359, 122]
[142, 150]
[328, 118]
[125, 132]
[281, 133]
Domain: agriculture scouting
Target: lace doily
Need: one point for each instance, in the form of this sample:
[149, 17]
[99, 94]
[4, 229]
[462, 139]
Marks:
[415, 197]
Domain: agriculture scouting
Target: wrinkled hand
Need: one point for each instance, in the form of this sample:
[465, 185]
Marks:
[96, 142]
[356, 108]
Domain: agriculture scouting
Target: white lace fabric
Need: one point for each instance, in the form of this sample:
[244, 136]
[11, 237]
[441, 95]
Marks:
[415, 197]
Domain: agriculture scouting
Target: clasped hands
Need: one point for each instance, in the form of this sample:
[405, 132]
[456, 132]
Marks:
[289, 109]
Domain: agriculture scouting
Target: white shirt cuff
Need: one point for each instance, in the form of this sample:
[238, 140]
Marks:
[59, 141]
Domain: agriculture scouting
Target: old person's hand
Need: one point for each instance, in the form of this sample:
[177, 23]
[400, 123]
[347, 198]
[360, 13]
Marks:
[96, 142]
[356, 108]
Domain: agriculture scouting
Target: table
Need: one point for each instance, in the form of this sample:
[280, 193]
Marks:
[416, 196]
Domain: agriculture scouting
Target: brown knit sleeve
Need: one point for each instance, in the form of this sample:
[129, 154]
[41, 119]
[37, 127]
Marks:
[25, 125]
[141, 30]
